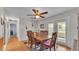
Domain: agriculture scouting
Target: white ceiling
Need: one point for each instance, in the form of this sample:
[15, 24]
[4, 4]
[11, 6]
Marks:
[24, 11]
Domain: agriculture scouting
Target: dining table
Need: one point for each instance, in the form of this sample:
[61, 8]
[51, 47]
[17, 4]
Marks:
[41, 38]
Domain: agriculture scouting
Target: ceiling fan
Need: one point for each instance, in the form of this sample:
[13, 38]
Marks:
[38, 14]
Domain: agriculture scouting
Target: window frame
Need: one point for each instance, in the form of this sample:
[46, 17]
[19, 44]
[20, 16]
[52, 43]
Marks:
[62, 20]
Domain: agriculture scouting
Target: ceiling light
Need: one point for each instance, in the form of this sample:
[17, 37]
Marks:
[37, 17]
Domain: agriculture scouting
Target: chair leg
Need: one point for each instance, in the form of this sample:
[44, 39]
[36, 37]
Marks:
[50, 49]
[31, 44]
[54, 47]
[28, 43]
[35, 46]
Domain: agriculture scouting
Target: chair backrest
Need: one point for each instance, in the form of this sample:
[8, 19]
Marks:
[29, 34]
[53, 39]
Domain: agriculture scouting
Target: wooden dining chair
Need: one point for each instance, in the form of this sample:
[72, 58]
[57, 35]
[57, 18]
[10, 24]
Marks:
[34, 41]
[49, 43]
[29, 33]
[1, 43]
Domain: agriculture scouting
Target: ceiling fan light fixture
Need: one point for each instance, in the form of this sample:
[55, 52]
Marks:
[37, 16]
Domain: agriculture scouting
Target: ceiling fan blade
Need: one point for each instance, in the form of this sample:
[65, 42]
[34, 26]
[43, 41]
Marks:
[30, 15]
[33, 17]
[43, 13]
[34, 10]
[42, 16]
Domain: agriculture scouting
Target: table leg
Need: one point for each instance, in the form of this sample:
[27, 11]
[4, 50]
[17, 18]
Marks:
[41, 48]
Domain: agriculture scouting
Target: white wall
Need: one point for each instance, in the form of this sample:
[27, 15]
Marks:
[23, 23]
[1, 26]
[78, 30]
[1, 30]
[71, 19]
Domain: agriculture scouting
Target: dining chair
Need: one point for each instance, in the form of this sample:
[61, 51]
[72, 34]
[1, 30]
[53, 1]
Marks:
[49, 43]
[34, 41]
[29, 33]
[37, 43]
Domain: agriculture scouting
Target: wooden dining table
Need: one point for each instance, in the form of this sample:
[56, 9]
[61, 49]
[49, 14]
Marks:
[40, 38]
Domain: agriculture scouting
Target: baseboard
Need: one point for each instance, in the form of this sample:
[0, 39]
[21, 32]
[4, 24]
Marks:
[64, 45]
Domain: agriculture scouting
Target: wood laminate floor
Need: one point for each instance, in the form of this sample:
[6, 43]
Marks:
[16, 45]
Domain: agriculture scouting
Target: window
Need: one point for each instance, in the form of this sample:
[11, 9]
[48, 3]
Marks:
[61, 31]
[60, 27]
[50, 29]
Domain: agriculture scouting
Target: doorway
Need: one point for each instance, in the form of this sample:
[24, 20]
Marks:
[13, 30]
